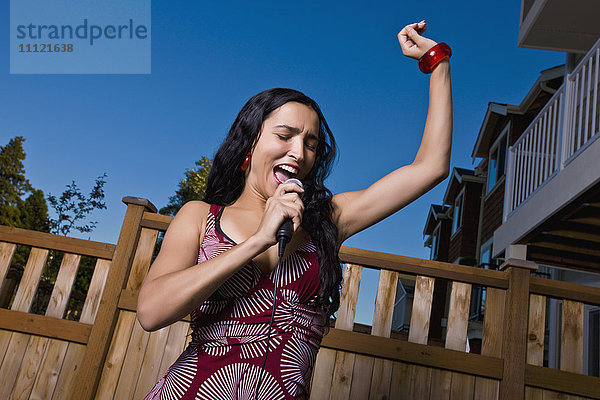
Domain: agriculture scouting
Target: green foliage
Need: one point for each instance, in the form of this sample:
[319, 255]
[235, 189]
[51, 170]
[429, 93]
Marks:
[31, 213]
[191, 187]
[35, 212]
[13, 183]
[73, 206]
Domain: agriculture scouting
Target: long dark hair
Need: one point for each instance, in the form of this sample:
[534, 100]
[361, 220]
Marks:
[226, 181]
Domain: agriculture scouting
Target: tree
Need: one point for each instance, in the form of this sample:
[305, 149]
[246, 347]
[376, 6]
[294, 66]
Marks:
[13, 184]
[35, 212]
[31, 213]
[191, 187]
[72, 206]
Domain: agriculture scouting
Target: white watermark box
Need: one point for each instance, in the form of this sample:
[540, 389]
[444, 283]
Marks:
[80, 37]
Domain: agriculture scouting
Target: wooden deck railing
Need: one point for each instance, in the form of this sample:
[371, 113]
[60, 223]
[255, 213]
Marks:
[564, 127]
[107, 354]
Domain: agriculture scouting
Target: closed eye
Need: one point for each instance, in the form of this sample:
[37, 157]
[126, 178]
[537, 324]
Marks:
[284, 138]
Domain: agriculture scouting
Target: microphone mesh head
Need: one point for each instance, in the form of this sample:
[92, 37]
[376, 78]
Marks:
[296, 181]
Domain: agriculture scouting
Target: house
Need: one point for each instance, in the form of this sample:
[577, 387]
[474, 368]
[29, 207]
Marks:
[552, 190]
[539, 174]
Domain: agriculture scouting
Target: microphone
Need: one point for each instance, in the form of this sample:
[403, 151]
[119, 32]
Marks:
[285, 231]
[284, 235]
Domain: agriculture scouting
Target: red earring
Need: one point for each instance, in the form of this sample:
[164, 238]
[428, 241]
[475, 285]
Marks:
[246, 162]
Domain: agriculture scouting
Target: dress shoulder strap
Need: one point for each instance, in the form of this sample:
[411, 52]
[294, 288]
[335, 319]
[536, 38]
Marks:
[214, 210]
[211, 241]
[211, 218]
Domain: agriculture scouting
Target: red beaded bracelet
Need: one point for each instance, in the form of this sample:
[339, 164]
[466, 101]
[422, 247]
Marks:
[433, 56]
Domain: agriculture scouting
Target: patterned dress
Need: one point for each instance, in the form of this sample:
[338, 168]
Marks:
[224, 358]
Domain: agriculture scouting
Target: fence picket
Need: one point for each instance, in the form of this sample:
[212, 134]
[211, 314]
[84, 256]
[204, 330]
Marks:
[571, 337]
[17, 344]
[419, 330]
[7, 250]
[463, 385]
[33, 367]
[363, 367]
[535, 340]
[323, 374]
[134, 355]
[74, 352]
[400, 381]
[492, 340]
[151, 362]
[116, 356]
[382, 326]
[344, 363]
[176, 343]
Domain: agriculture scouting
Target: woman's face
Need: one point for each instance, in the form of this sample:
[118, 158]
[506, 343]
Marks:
[286, 147]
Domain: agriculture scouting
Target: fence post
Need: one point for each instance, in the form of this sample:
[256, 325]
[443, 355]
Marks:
[514, 350]
[102, 330]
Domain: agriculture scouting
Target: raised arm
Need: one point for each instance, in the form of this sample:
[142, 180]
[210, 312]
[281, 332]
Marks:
[355, 211]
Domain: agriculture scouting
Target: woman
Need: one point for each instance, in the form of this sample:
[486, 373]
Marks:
[218, 260]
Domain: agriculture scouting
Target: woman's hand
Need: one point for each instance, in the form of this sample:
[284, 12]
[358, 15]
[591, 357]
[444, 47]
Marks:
[285, 203]
[413, 44]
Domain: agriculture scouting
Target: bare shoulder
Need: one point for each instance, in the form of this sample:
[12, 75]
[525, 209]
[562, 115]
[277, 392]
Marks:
[194, 208]
[186, 230]
[193, 216]
[182, 239]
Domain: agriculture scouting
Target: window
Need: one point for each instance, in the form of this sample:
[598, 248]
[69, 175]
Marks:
[485, 258]
[485, 255]
[497, 160]
[434, 242]
[457, 216]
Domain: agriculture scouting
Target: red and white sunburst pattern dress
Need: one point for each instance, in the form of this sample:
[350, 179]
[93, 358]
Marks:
[229, 330]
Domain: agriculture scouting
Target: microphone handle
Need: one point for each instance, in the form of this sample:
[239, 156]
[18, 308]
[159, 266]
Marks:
[284, 234]
[286, 230]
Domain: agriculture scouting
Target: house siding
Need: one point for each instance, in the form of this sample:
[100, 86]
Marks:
[443, 240]
[493, 208]
[464, 243]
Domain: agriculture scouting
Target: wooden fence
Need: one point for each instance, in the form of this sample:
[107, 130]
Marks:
[107, 354]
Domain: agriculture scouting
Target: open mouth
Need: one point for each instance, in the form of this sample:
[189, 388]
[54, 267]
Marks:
[283, 172]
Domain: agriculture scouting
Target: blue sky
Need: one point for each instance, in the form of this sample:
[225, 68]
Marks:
[208, 58]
